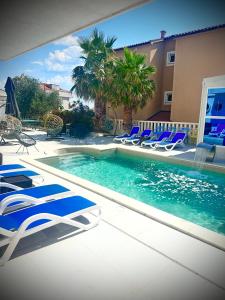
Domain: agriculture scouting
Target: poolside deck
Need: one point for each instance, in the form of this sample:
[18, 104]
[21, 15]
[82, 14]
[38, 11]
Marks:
[127, 256]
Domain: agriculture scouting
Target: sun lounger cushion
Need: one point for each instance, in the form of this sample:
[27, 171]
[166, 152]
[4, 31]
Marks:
[62, 207]
[10, 167]
[38, 191]
[22, 172]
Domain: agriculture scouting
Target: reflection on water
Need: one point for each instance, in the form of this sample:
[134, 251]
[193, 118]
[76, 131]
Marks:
[187, 192]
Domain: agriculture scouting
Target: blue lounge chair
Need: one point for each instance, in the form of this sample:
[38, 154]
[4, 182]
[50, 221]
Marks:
[25, 172]
[135, 140]
[178, 139]
[15, 170]
[21, 223]
[152, 143]
[10, 168]
[34, 195]
[36, 177]
[133, 133]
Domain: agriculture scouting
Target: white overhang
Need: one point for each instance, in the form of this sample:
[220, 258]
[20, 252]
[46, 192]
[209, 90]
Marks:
[27, 24]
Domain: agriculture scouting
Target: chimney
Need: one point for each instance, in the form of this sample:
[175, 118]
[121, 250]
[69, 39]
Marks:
[163, 34]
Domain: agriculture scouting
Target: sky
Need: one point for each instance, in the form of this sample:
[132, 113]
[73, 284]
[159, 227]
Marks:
[54, 62]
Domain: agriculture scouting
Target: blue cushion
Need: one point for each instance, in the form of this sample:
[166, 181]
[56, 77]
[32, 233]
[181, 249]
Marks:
[10, 167]
[16, 173]
[38, 191]
[61, 207]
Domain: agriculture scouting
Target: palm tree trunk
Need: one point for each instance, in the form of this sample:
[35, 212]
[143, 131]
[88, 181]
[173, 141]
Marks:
[127, 118]
[100, 113]
[97, 110]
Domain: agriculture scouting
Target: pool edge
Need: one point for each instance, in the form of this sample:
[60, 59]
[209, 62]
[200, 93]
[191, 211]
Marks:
[203, 234]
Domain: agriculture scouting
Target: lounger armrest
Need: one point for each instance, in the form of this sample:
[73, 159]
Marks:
[153, 137]
[10, 186]
[121, 136]
[135, 136]
[179, 141]
[55, 219]
[147, 138]
[17, 198]
[166, 139]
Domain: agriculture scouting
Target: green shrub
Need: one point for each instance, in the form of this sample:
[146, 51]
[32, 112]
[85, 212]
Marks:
[80, 119]
[53, 124]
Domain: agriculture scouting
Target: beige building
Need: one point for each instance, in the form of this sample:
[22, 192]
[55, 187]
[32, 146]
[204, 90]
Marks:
[64, 95]
[182, 62]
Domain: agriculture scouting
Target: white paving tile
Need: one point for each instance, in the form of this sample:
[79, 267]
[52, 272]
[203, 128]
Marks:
[128, 256]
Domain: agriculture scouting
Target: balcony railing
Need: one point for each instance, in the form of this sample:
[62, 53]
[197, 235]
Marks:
[156, 126]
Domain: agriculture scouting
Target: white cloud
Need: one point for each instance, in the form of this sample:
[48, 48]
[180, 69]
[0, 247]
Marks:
[60, 80]
[69, 40]
[62, 60]
[58, 55]
[67, 54]
[38, 62]
[56, 67]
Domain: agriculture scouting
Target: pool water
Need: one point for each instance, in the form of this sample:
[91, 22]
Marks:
[187, 192]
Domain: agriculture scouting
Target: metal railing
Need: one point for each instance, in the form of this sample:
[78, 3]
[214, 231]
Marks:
[160, 125]
[157, 126]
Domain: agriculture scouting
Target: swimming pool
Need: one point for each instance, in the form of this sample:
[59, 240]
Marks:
[184, 191]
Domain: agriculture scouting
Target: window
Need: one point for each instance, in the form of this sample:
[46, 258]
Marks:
[170, 58]
[214, 129]
[168, 97]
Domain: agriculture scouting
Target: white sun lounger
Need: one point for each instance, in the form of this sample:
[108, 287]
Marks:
[35, 195]
[17, 170]
[11, 168]
[178, 139]
[16, 225]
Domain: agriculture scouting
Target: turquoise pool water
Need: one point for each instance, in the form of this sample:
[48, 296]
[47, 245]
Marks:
[187, 192]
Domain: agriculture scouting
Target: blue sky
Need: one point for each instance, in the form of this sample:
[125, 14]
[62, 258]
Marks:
[54, 62]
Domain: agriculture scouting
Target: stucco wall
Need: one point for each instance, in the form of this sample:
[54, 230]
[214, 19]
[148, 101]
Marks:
[167, 74]
[197, 56]
[155, 55]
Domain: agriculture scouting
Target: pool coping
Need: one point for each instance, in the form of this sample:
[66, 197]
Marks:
[203, 234]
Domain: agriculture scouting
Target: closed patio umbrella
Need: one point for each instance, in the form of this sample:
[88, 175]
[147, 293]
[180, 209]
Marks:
[11, 104]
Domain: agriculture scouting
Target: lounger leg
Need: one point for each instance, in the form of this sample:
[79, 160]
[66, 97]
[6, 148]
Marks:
[171, 148]
[153, 146]
[36, 148]
[13, 241]
[8, 252]
[19, 149]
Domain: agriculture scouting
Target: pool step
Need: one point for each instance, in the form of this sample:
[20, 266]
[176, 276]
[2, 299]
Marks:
[77, 161]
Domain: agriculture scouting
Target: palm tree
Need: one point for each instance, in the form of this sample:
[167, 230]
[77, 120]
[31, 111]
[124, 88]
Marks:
[130, 84]
[89, 78]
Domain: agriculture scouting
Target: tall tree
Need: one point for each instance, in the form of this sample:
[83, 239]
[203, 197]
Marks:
[130, 84]
[32, 101]
[44, 103]
[26, 89]
[89, 78]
